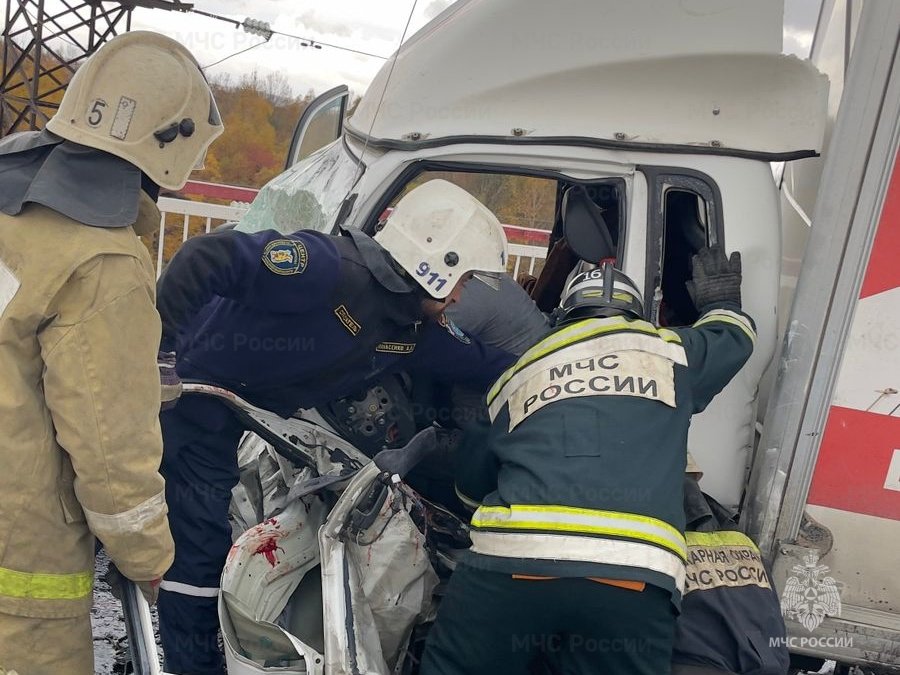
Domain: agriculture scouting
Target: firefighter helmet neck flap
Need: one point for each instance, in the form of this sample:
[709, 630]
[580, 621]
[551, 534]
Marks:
[142, 97]
[601, 292]
[439, 233]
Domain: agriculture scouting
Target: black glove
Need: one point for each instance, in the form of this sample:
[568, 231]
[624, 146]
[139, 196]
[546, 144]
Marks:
[716, 279]
[170, 383]
[115, 579]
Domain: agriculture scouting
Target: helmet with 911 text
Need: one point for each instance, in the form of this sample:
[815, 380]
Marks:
[439, 233]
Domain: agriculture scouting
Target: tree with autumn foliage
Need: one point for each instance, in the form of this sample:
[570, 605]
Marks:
[259, 114]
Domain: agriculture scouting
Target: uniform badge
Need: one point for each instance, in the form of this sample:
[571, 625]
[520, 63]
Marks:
[455, 330]
[349, 322]
[285, 256]
[396, 347]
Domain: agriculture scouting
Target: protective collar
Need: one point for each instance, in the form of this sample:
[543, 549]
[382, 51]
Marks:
[87, 185]
[378, 262]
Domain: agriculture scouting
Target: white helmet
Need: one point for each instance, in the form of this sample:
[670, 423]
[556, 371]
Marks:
[142, 97]
[438, 233]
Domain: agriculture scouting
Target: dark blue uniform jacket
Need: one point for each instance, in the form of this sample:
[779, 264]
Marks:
[294, 321]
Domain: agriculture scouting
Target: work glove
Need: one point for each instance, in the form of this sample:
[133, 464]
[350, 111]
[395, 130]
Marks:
[115, 579]
[170, 383]
[716, 279]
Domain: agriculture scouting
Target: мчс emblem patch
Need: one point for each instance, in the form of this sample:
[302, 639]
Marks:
[285, 256]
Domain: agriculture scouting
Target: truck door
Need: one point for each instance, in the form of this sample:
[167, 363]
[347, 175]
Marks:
[320, 124]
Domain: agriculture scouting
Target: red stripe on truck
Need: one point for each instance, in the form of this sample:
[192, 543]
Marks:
[883, 272]
[854, 462]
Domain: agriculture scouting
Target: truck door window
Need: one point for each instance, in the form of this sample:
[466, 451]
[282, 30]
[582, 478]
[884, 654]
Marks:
[533, 209]
[525, 205]
[685, 215]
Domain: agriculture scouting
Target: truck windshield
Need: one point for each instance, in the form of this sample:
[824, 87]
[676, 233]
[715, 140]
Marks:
[306, 196]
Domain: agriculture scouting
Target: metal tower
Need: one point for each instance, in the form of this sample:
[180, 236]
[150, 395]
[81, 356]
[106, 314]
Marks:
[43, 43]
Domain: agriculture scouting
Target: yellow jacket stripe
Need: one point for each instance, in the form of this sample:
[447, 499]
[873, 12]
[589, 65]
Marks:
[576, 548]
[733, 318]
[571, 520]
[578, 332]
[36, 586]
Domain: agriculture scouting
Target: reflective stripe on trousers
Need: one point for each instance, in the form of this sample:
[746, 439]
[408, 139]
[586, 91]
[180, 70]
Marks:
[187, 589]
[579, 548]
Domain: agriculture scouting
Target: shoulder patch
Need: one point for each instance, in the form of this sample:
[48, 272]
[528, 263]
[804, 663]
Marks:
[455, 330]
[285, 256]
[349, 322]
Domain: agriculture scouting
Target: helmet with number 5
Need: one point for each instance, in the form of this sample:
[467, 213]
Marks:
[439, 233]
[142, 97]
[601, 292]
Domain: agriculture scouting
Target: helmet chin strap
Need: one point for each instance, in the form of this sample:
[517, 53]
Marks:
[149, 187]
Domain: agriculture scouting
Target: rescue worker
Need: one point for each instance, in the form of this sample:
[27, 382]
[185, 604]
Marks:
[79, 333]
[578, 548]
[730, 621]
[505, 318]
[290, 322]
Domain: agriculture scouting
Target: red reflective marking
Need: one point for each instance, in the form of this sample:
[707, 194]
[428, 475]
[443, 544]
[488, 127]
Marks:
[883, 272]
[856, 452]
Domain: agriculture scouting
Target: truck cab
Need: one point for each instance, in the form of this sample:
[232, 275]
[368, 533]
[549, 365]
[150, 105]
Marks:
[662, 134]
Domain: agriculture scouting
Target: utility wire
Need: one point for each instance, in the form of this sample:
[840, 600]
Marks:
[246, 49]
[387, 81]
[310, 42]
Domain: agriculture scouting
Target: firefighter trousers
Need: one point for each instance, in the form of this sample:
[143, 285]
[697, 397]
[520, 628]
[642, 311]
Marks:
[489, 622]
[200, 438]
[46, 646]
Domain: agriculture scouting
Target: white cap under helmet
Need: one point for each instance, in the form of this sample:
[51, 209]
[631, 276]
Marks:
[438, 233]
[142, 97]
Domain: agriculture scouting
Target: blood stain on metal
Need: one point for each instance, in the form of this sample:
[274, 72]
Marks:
[268, 548]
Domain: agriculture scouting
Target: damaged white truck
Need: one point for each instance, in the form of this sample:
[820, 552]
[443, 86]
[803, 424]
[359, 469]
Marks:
[670, 129]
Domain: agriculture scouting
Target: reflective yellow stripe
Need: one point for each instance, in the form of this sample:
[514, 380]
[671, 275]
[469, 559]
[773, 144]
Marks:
[724, 316]
[724, 538]
[584, 521]
[14, 584]
[582, 330]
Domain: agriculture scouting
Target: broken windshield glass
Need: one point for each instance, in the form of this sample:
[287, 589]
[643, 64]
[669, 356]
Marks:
[306, 196]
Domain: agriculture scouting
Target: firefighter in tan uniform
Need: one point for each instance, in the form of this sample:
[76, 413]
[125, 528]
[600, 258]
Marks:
[79, 387]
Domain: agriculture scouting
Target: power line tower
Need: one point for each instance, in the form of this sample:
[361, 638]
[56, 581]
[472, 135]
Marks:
[44, 41]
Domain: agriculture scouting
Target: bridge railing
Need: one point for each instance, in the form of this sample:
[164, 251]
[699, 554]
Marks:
[184, 218]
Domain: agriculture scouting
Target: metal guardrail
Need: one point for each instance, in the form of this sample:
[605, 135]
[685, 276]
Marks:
[200, 217]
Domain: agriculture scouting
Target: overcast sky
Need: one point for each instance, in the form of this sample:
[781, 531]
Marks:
[365, 25]
[373, 26]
